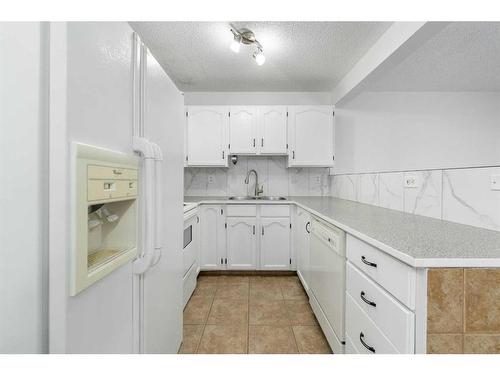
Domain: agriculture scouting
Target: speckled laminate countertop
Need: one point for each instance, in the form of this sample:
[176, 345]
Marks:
[415, 240]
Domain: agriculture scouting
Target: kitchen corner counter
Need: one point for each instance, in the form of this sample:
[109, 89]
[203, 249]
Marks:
[415, 240]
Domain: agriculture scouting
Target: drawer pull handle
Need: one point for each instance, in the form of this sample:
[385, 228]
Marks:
[367, 301]
[370, 348]
[363, 259]
[308, 224]
[117, 171]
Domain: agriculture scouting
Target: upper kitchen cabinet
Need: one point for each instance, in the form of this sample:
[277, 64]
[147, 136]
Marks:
[310, 134]
[207, 128]
[272, 130]
[243, 130]
[257, 130]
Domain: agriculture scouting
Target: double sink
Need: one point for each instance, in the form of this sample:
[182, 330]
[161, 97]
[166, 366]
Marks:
[260, 198]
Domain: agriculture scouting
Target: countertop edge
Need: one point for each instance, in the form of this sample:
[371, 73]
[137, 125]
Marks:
[399, 255]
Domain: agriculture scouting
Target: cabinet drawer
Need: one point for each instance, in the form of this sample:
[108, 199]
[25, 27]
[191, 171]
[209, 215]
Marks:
[395, 320]
[361, 329]
[275, 210]
[395, 276]
[106, 173]
[241, 210]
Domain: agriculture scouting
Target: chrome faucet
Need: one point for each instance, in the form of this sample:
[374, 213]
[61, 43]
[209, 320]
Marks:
[258, 189]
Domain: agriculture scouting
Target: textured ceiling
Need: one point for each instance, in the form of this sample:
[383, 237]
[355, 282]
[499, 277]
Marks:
[300, 56]
[464, 56]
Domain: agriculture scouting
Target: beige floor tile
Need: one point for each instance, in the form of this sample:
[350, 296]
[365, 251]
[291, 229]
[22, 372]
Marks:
[482, 344]
[207, 279]
[224, 339]
[310, 340]
[229, 312]
[442, 343]
[196, 311]
[205, 289]
[267, 312]
[236, 291]
[191, 335]
[263, 291]
[265, 280]
[233, 280]
[445, 300]
[289, 280]
[300, 313]
[293, 291]
[271, 340]
[482, 300]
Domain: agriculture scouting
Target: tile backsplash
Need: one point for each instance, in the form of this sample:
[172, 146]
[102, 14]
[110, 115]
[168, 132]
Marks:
[275, 178]
[460, 195]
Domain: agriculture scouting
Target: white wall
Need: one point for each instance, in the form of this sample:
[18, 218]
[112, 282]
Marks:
[398, 131]
[449, 142]
[257, 98]
[23, 187]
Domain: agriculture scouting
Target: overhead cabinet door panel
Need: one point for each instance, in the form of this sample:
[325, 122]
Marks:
[206, 135]
[272, 130]
[311, 136]
[242, 130]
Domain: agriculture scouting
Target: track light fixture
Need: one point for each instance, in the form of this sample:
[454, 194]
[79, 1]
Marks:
[246, 36]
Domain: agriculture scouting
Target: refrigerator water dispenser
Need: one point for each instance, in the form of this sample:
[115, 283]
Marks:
[105, 213]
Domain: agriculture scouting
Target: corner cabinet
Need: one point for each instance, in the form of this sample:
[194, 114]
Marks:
[206, 132]
[310, 136]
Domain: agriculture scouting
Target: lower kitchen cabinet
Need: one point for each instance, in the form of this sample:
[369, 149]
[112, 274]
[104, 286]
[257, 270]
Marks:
[241, 243]
[301, 243]
[275, 243]
[212, 237]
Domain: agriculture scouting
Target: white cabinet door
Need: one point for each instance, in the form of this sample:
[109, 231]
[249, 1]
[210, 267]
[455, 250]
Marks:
[310, 131]
[212, 240]
[207, 135]
[275, 243]
[241, 243]
[272, 121]
[243, 130]
[301, 235]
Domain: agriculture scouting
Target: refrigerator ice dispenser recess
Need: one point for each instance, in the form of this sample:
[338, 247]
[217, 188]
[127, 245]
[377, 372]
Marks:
[104, 211]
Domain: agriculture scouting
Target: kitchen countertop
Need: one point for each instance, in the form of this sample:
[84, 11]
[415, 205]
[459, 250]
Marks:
[416, 240]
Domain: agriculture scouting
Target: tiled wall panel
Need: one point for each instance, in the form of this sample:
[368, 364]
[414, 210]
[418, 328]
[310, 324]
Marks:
[463, 195]
[463, 310]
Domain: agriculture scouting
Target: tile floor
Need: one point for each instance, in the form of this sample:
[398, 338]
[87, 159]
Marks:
[251, 314]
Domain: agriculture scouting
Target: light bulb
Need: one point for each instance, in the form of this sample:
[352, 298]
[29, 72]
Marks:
[259, 57]
[235, 45]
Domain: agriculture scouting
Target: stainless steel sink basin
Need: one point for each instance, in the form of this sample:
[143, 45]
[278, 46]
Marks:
[240, 198]
[271, 198]
[261, 198]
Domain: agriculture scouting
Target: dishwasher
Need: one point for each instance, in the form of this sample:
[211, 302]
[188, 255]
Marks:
[327, 281]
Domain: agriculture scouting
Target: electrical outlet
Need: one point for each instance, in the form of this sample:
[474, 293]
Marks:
[495, 182]
[211, 178]
[411, 181]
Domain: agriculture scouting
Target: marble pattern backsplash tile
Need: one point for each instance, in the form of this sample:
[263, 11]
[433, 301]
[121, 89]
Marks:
[274, 177]
[459, 195]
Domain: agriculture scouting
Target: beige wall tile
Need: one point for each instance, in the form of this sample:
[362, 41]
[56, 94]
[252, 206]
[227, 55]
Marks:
[482, 300]
[445, 300]
[444, 343]
[482, 344]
